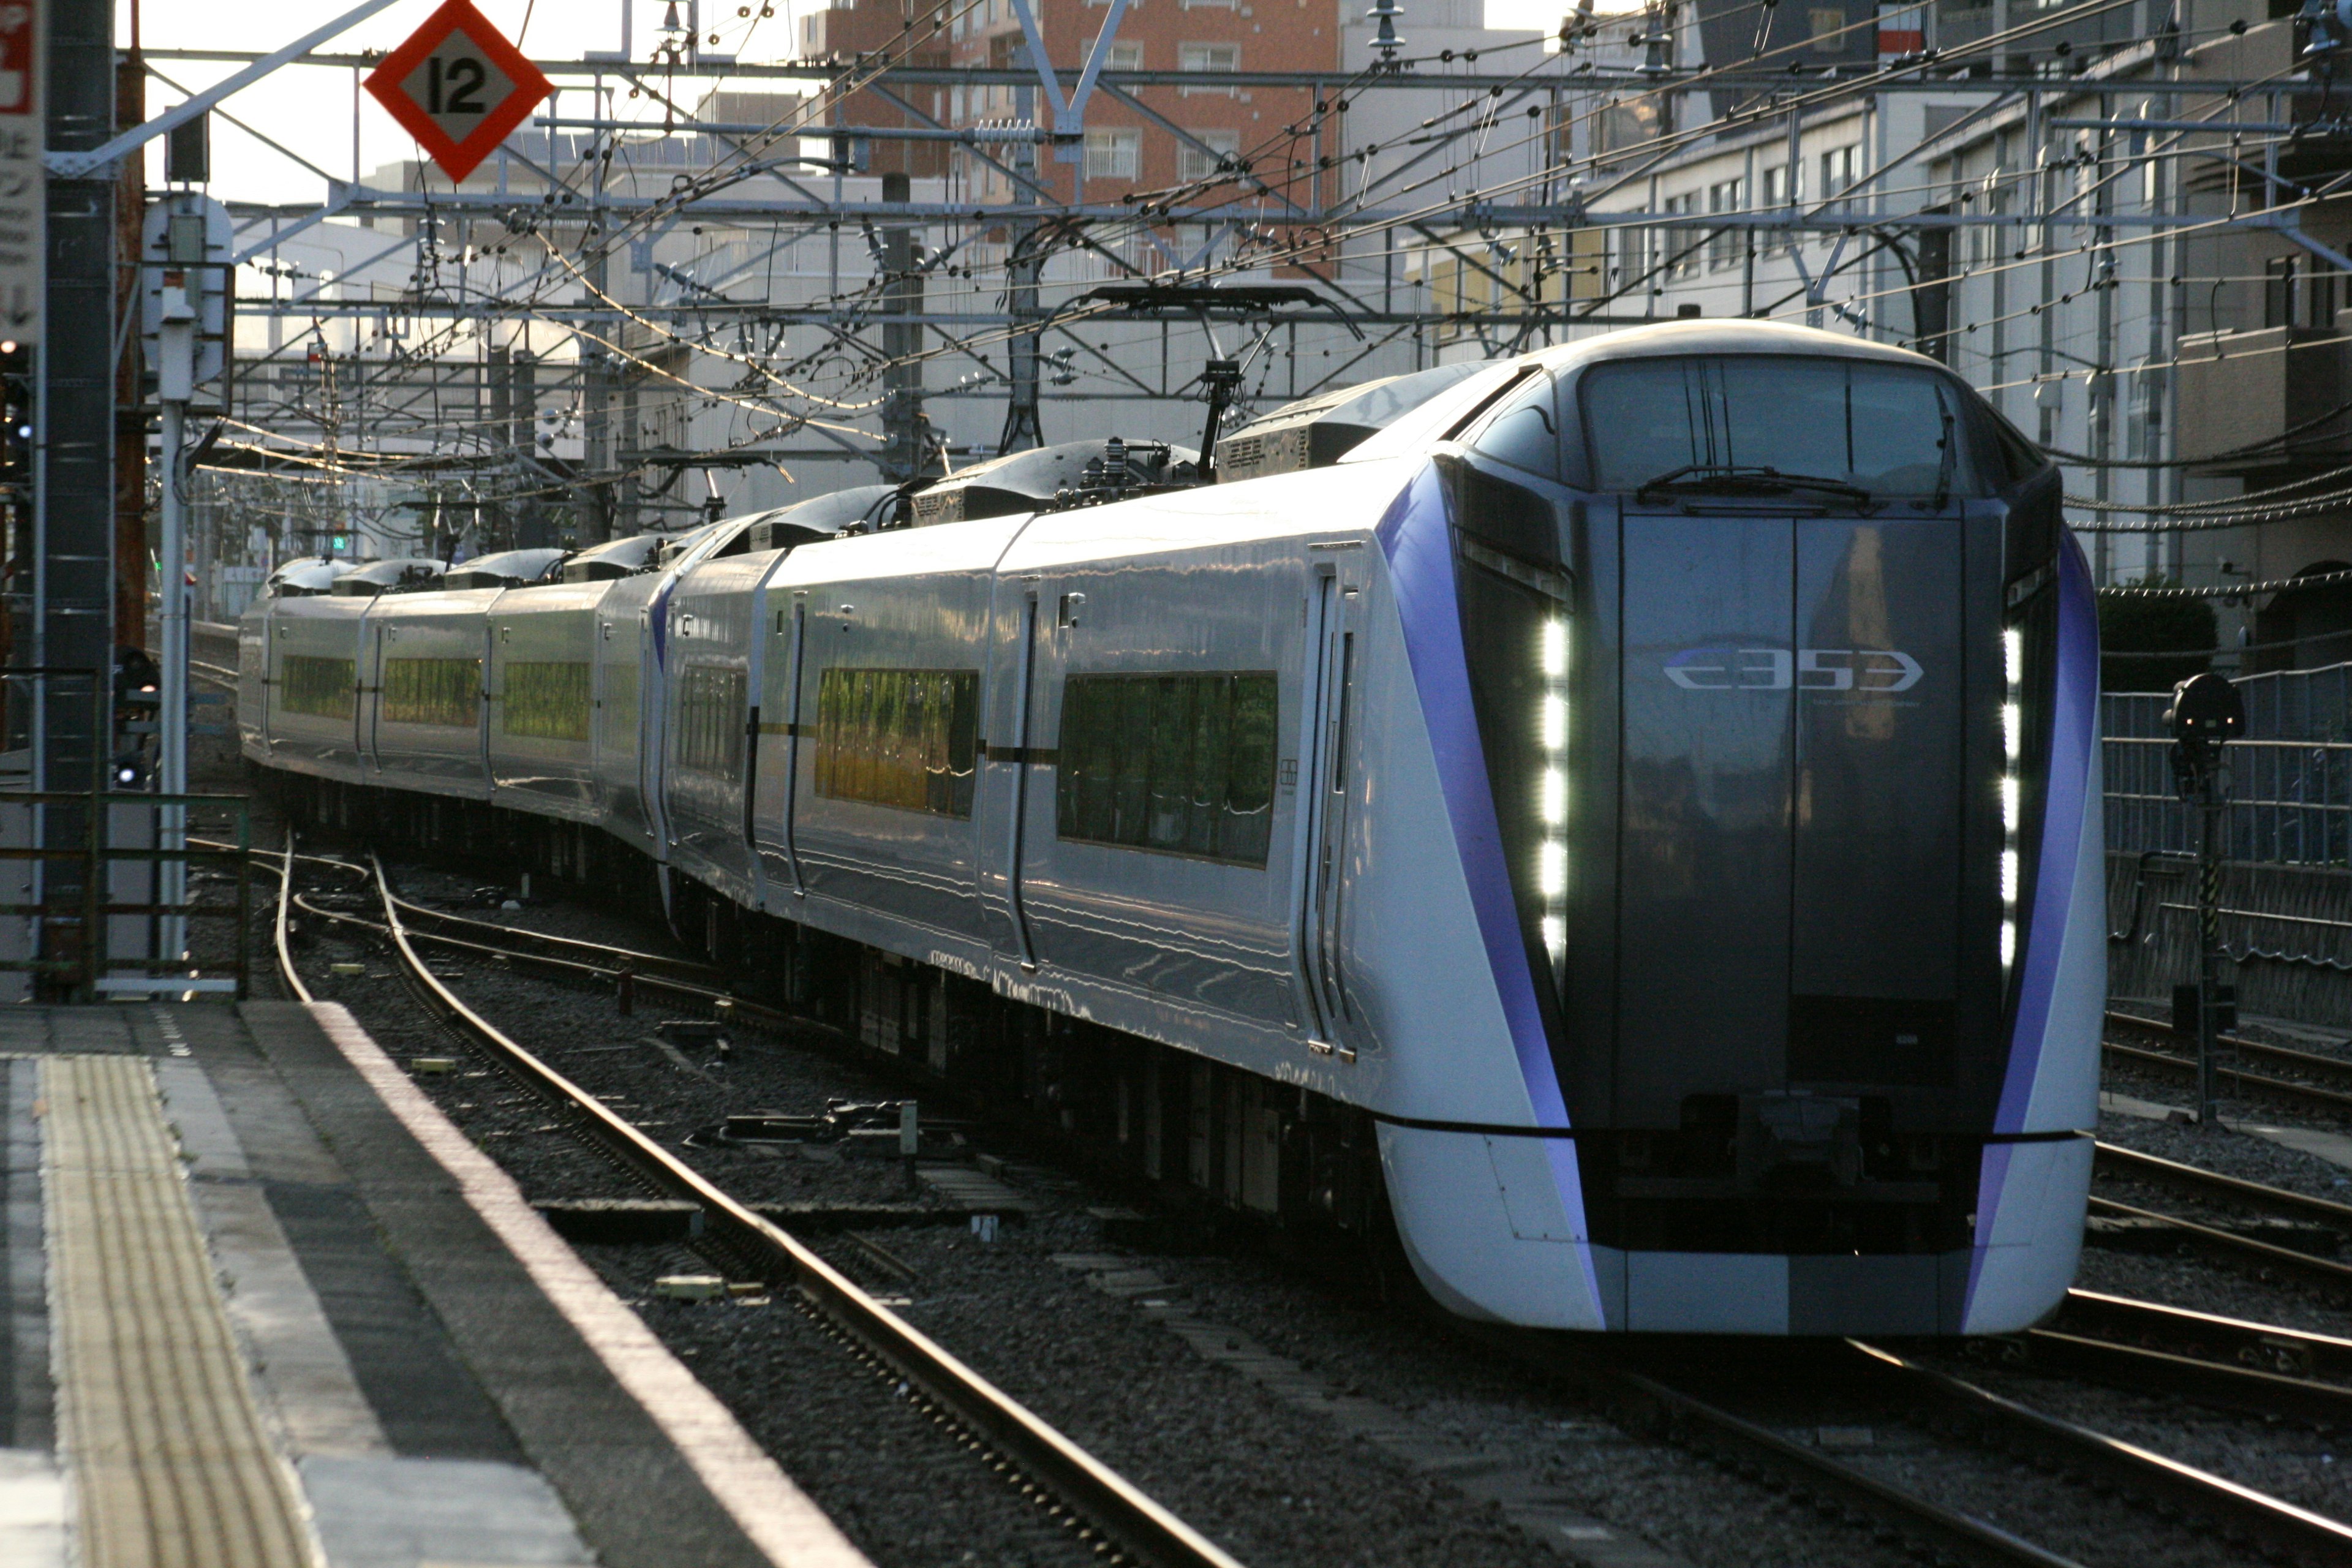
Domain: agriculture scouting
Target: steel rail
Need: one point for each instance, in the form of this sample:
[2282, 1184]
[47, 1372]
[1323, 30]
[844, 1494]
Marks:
[1114, 1509]
[2268, 1523]
[2320, 1066]
[1745, 1447]
[640, 964]
[2133, 1165]
[2225, 1385]
[2328, 1275]
[2207, 1336]
[2301, 1095]
[286, 969]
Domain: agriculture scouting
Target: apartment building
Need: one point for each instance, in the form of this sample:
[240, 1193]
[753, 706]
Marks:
[1187, 141]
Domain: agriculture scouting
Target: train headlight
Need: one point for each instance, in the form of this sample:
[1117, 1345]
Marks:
[2012, 789]
[1551, 792]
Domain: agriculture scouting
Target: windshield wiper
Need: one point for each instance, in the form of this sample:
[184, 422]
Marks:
[1734, 478]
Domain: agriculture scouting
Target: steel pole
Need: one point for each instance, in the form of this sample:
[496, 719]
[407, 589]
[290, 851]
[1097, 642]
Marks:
[172, 693]
[2209, 956]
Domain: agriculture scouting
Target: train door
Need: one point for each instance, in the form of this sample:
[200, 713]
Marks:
[370, 704]
[653, 685]
[776, 746]
[1326, 744]
[1020, 642]
[482, 707]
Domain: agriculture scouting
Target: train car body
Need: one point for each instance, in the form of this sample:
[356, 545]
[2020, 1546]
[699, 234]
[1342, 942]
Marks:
[1650, 789]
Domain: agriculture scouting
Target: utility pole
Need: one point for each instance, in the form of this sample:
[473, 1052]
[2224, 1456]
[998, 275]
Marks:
[597, 440]
[2207, 714]
[522, 440]
[493, 513]
[1024, 267]
[73, 545]
[184, 284]
[907, 443]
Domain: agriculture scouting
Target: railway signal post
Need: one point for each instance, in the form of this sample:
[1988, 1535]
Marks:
[2207, 714]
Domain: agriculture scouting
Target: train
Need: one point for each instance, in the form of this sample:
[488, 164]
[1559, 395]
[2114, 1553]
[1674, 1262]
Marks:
[1622, 821]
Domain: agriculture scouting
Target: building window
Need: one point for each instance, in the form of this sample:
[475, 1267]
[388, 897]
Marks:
[1114, 154]
[443, 691]
[1778, 199]
[1182, 764]
[710, 715]
[1841, 167]
[319, 687]
[1633, 270]
[547, 701]
[1211, 158]
[1826, 25]
[1123, 56]
[1208, 57]
[1681, 244]
[1726, 246]
[903, 738]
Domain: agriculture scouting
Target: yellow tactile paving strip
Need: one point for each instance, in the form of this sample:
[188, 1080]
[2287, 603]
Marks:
[156, 1422]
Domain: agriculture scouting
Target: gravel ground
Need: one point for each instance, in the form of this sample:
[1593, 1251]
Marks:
[2231, 1153]
[1810, 1397]
[847, 1433]
[1276, 1483]
[2311, 1469]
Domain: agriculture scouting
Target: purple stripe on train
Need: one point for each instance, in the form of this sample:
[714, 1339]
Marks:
[1420, 549]
[2072, 732]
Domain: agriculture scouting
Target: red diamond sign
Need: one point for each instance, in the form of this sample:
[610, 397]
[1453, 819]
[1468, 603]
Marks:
[458, 86]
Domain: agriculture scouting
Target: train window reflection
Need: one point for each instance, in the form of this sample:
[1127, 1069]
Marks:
[710, 715]
[903, 738]
[319, 687]
[546, 700]
[446, 692]
[1180, 764]
[1889, 429]
[1525, 434]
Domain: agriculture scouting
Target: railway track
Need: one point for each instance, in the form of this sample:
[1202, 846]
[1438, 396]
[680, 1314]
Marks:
[1668, 1402]
[2217, 1243]
[2243, 1367]
[2324, 1084]
[2263, 1370]
[1106, 1511]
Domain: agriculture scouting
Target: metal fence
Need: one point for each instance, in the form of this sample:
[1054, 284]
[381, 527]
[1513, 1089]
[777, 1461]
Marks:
[2291, 777]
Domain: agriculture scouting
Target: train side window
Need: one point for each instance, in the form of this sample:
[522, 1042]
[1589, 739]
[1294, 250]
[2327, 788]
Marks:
[1524, 433]
[711, 719]
[903, 738]
[1182, 764]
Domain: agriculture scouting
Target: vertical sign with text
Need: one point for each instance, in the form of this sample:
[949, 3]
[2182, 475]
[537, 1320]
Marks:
[23, 182]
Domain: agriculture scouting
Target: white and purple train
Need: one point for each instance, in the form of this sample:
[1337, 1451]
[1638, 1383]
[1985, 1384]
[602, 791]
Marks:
[1628, 817]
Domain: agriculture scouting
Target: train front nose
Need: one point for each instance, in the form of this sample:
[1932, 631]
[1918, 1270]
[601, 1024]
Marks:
[1781, 1003]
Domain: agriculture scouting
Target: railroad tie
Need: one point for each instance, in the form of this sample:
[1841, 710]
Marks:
[156, 1422]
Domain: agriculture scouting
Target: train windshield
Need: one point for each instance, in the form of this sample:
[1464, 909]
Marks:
[1761, 423]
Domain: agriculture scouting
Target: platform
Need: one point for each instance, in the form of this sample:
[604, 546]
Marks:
[266, 1306]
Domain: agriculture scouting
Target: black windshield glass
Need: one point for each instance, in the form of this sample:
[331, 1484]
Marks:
[1881, 428]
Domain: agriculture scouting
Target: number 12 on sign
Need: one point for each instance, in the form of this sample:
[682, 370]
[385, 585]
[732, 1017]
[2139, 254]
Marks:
[458, 86]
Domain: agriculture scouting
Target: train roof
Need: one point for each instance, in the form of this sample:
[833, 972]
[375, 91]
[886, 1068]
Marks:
[505, 569]
[1712, 338]
[822, 517]
[1450, 409]
[308, 575]
[400, 571]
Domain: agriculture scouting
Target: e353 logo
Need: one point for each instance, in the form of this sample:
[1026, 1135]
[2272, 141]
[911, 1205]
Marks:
[1872, 669]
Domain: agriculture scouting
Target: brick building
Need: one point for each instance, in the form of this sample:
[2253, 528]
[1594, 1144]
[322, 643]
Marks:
[1124, 151]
